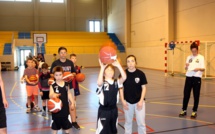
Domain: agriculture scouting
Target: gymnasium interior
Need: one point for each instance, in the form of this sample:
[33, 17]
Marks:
[144, 28]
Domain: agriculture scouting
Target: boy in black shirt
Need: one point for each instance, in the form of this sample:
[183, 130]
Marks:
[67, 66]
[133, 96]
[61, 89]
[43, 86]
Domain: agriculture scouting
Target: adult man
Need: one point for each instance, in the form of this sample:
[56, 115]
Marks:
[195, 67]
[67, 66]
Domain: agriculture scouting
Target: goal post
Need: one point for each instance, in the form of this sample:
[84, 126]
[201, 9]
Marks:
[175, 59]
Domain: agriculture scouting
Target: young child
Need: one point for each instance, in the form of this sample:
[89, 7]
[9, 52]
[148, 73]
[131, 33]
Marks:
[3, 105]
[31, 87]
[73, 58]
[61, 89]
[43, 86]
[133, 96]
[108, 93]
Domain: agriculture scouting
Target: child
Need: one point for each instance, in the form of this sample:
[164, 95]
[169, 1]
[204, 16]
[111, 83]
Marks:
[61, 89]
[133, 96]
[3, 105]
[43, 86]
[31, 87]
[73, 58]
[108, 93]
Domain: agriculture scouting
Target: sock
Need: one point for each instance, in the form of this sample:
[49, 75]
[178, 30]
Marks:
[44, 108]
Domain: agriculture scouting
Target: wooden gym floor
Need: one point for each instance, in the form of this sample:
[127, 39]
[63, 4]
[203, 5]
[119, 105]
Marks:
[164, 98]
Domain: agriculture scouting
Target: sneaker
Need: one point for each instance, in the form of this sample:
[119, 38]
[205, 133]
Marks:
[28, 110]
[37, 109]
[183, 113]
[75, 125]
[193, 115]
[44, 113]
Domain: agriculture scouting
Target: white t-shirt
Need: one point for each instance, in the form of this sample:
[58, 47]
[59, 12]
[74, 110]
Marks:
[195, 62]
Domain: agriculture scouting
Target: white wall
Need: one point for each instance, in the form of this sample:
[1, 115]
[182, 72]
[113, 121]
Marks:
[34, 16]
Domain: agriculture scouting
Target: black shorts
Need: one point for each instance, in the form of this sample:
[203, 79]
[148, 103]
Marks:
[107, 121]
[3, 122]
[61, 122]
[45, 95]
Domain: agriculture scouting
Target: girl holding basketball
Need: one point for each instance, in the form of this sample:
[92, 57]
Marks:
[108, 93]
[60, 89]
[133, 96]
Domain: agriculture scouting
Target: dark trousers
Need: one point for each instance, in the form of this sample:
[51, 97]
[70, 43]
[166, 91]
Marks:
[195, 84]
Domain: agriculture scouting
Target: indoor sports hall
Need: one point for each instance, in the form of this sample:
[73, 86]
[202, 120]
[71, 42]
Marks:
[159, 33]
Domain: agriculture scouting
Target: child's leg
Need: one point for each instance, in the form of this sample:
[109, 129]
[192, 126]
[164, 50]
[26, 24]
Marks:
[54, 131]
[44, 105]
[36, 100]
[3, 130]
[140, 118]
[66, 131]
[29, 101]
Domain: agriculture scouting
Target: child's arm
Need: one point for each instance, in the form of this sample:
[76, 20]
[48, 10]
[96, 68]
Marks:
[125, 105]
[101, 73]
[71, 99]
[3, 91]
[122, 72]
[52, 94]
[140, 103]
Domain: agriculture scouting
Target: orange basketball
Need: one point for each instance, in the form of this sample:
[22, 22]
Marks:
[51, 81]
[80, 77]
[32, 78]
[54, 105]
[68, 76]
[107, 54]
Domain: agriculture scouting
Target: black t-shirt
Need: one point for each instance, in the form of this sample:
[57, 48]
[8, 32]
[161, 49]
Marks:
[64, 112]
[1, 99]
[67, 66]
[133, 85]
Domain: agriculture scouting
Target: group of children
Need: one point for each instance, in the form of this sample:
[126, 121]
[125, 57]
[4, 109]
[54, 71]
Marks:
[58, 89]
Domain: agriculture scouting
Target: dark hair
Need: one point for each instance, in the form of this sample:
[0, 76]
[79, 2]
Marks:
[55, 54]
[74, 55]
[45, 66]
[194, 45]
[133, 57]
[30, 58]
[61, 48]
[57, 69]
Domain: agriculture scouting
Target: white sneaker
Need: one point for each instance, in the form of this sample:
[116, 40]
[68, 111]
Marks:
[37, 109]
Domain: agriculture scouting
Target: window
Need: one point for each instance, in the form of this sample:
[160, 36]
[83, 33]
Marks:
[95, 26]
[18, 0]
[53, 1]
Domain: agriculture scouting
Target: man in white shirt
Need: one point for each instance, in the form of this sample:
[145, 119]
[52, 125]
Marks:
[195, 66]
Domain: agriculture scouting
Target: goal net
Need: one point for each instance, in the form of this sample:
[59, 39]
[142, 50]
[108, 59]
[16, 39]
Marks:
[176, 58]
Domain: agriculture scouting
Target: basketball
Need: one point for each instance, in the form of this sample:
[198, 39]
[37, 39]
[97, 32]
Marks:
[50, 81]
[107, 54]
[32, 78]
[67, 76]
[80, 77]
[54, 105]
